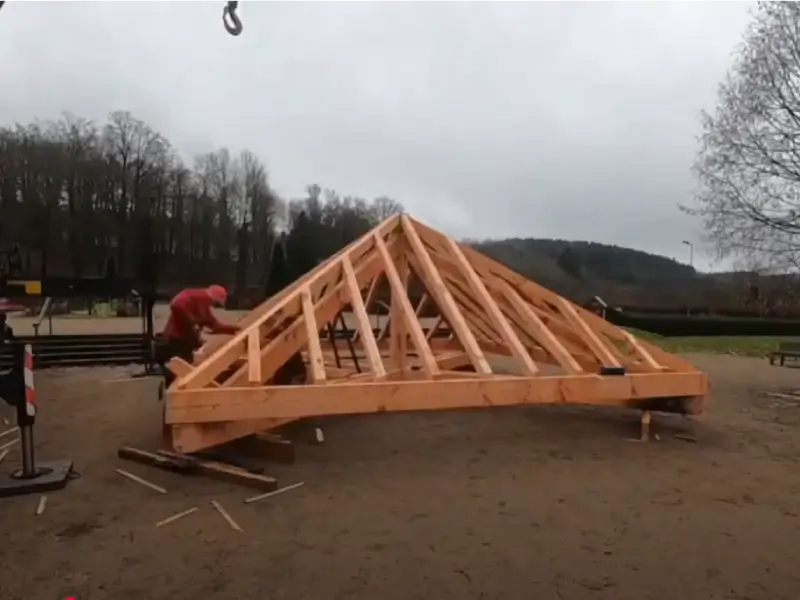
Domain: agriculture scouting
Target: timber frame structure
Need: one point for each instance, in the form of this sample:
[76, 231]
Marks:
[496, 339]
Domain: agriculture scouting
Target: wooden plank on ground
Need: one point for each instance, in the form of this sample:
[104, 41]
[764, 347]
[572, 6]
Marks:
[188, 465]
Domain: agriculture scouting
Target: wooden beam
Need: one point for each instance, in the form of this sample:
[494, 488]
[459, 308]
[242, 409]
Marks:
[423, 303]
[436, 287]
[493, 311]
[231, 404]
[434, 327]
[641, 351]
[600, 350]
[398, 334]
[384, 229]
[275, 354]
[541, 333]
[187, 465]
[290, 305]
[253, 357]
[194, 437]
[530, 290]
[370, 298]
[316, 362]
[362, 318]
[407, 311]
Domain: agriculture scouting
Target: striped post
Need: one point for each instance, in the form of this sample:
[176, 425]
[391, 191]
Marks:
[30, 389]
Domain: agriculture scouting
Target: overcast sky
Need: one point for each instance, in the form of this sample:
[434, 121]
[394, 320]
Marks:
[558, 120]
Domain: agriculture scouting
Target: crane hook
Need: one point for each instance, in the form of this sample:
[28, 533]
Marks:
[229, 12]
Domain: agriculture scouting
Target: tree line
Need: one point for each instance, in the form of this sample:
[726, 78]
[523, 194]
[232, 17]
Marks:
[82, 198]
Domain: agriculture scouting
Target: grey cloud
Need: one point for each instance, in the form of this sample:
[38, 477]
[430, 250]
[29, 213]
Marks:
[569, 120]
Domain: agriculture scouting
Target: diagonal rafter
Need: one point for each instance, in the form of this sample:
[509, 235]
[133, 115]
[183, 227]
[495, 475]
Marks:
[543, 335]
[362, 320]
[494, 313]
[316, 361]
[282, 347]
[404, 305]
[592, 340]
[436, 287]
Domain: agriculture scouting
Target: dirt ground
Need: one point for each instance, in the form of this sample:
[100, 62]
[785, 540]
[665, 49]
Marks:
[528, 503]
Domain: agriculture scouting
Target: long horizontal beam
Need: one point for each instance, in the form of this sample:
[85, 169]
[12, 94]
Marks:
[289, 402]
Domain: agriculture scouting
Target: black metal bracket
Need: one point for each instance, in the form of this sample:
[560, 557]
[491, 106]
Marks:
[613, 371]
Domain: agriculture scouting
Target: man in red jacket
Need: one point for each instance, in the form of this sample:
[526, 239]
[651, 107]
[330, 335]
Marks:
[190, 312]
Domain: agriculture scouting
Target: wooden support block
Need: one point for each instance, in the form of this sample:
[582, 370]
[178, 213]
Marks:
[188, 465]
[645, 432]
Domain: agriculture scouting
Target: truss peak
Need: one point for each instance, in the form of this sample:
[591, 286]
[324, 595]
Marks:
[406, 318]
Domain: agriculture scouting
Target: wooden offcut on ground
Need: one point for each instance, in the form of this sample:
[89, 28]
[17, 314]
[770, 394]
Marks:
[553, 350]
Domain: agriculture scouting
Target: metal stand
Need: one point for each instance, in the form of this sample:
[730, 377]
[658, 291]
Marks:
[30, 478]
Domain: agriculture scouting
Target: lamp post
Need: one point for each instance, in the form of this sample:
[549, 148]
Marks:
[691, 264]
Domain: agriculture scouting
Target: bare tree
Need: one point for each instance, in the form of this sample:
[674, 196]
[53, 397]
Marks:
[749, 161]
[74, 194]
[384, 207]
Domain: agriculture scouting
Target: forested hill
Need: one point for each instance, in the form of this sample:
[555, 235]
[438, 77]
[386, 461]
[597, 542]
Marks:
[581, 269]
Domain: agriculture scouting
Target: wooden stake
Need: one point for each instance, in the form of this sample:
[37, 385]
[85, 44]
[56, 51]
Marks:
[175, 517]
[645, 436]
[42, 504]
[226, 516]
[319, 435]
[3, 454]
[275, 493]
[141, 481]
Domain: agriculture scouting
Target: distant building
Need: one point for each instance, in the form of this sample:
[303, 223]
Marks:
[597, 305]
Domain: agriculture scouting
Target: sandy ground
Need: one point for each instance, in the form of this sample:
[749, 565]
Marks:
[528, 503]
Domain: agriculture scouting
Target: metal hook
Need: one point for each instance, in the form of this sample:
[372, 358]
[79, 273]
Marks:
[235, 26]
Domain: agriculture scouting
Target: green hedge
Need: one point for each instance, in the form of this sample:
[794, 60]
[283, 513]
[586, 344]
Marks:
[674, 326]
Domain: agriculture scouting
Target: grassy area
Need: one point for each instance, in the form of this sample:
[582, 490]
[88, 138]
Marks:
[736, 345]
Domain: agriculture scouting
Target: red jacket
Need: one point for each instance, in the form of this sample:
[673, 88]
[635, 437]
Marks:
[190, 311]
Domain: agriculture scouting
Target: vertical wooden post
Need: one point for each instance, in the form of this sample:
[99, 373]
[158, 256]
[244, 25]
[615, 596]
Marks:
[398, 335]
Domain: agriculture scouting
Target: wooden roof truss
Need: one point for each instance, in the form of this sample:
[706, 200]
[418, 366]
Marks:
[497, 339]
